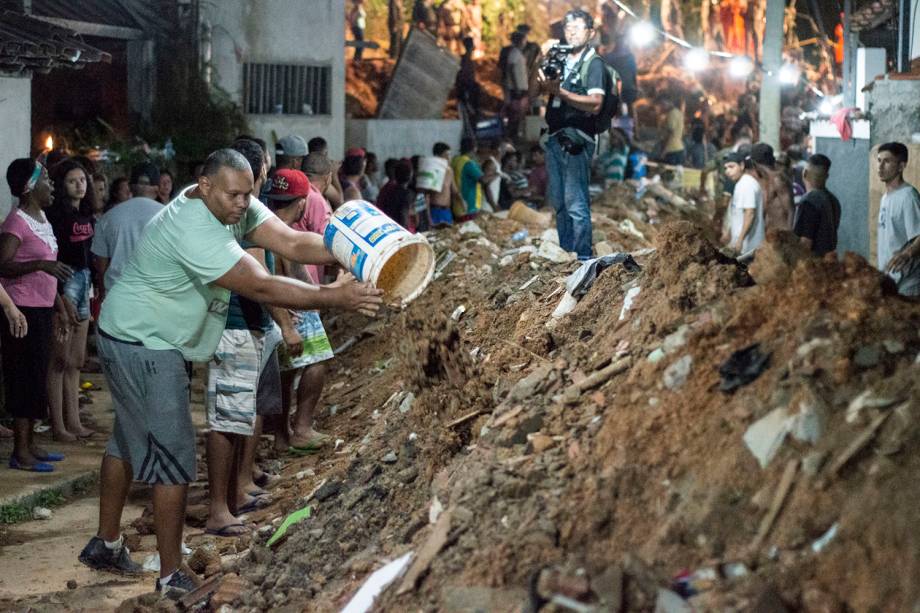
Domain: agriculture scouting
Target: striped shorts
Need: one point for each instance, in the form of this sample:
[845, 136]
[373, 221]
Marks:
[233, 380]
[153, 429]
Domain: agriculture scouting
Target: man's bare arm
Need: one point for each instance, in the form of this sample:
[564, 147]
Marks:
[248, 278]
[303, 247]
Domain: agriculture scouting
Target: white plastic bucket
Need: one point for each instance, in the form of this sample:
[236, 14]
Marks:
[375, 248]
[431, 172]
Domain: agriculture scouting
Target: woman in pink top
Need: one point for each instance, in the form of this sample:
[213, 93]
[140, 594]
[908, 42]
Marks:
[29, 273]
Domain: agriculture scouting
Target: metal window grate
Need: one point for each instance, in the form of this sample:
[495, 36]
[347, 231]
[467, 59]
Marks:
[286, 89]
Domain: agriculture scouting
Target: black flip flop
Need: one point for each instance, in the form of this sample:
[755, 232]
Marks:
[227, 531]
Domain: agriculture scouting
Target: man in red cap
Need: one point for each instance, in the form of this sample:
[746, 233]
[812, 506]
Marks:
[244, 372]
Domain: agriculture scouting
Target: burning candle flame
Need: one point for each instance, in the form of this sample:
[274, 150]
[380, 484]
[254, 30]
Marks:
[49, 143]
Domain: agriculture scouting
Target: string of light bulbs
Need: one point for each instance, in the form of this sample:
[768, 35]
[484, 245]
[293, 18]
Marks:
[643, 33]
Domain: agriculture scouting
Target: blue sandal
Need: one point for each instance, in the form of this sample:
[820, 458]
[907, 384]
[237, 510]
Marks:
[50, 456]
[38, 467]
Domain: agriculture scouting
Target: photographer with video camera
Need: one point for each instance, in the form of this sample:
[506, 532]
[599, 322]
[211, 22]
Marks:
[580, 91]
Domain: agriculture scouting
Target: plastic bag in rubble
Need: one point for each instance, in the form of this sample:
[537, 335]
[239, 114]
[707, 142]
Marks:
[742, 367]
[580, 281]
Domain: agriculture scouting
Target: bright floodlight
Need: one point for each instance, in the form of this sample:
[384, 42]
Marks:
[642, 34]
[696, 59]
[740, 67]
[788, 74]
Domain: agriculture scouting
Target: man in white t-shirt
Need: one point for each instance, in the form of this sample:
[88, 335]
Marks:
[745, 231]
[898, 215]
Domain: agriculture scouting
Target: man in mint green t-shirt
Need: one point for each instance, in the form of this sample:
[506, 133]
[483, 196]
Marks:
[170, 305]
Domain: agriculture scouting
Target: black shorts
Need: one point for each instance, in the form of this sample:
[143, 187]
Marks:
[268, 393]
[25, 364]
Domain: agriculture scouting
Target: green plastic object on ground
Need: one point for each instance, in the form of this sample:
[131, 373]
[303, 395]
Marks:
[290, 520]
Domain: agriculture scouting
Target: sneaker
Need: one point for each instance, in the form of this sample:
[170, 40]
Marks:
[99, 557]
[178, 585]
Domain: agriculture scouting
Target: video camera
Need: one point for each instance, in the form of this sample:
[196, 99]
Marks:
[553, 65]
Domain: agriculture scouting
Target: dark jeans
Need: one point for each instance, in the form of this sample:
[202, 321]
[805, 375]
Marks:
[567, 191]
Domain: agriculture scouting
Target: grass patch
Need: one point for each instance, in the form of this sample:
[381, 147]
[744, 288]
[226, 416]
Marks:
[21, 510]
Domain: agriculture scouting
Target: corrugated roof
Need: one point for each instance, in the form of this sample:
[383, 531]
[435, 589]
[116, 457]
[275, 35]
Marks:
[146, 15]
[31, 45]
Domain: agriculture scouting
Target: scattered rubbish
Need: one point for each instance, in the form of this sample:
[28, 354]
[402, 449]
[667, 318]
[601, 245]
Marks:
[579, 282]
[671, 602]
[529, 282]
[676, 374]
[465, 418]
[41, 513]
[825, 539]
[676, 339]
[432, 546]
[805, 349]
[743, 367]
[338, 443]
[458, 313]
[435, 510]
[363, 600]
[866, 400]
[520, 235]
[554, 253]
[406, 403]
[627, 226]
[598, 378]
[470, 228]
[290, 520]
[443, 261]
[766, 435]
[71, 584]
[858, 443]
[550, 235]
[570, 604]
[893, 346]
[656, 356]
[565, 306]
[785, 485]
[807, 425]
[628, 301]
[390, 458]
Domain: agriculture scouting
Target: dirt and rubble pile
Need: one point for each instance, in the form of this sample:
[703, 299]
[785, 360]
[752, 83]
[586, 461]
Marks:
[589, 462]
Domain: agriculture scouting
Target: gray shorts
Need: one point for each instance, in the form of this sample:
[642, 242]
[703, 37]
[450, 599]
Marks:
[153, 429]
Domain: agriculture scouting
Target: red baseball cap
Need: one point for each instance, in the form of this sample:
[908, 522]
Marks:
[355, 152]
[289, 184]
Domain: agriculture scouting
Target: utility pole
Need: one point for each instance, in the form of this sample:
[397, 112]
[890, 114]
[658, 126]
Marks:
[772, 62]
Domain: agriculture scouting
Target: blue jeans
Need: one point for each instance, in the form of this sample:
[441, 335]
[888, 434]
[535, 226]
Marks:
[76, 289]
[567, 190]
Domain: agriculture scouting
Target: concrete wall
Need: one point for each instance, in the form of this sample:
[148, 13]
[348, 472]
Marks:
[15, 130]
[397, 138]
[849, 181]
[281, 31]
[894, 111]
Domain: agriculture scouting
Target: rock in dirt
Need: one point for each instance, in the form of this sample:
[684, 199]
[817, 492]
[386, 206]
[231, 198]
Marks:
[676, 374]
[390, 458]
[41, 513]
[328, 490]
[766, 435]
[528, 386]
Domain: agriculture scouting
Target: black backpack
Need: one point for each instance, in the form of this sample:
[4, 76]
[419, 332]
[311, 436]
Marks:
[611, 104]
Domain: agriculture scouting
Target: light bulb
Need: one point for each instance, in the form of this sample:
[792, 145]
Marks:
[696, 59]
[740, 67]
[642, 34]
